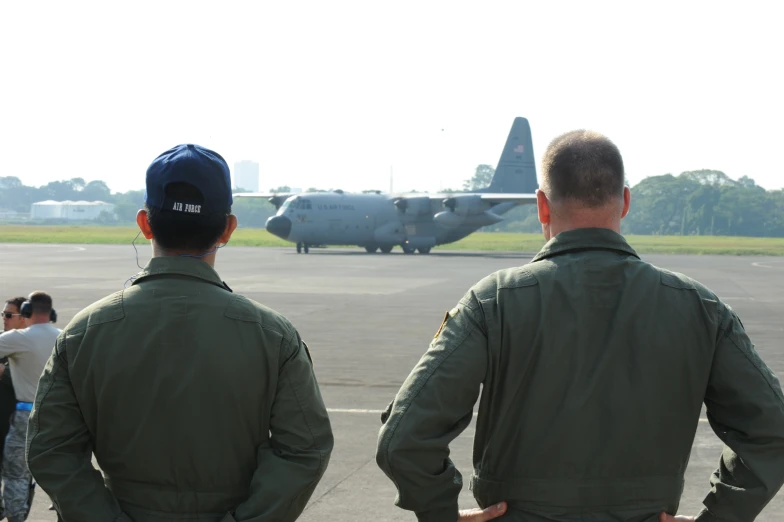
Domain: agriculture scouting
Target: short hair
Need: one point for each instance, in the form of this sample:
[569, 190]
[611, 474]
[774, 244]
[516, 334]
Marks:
[41, 302]
[582, 166]
[16, 301]
[178, 231]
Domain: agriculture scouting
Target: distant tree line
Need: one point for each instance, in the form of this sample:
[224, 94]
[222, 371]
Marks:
[702, 202]
[705, 202]
[16, 196]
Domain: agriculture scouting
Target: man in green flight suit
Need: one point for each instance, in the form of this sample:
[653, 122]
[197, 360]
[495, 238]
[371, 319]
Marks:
[198, 403]
[594, 366]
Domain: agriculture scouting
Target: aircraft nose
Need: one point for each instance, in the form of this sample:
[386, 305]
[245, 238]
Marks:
[279, 226]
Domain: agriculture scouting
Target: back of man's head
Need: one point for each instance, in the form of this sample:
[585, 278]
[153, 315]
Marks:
[584, 169]
[181, 231]
[41, 303]
[188, 198]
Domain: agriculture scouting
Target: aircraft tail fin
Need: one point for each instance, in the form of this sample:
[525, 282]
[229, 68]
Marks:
[516, 170]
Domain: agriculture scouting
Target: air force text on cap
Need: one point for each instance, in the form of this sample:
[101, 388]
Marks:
[187, 207]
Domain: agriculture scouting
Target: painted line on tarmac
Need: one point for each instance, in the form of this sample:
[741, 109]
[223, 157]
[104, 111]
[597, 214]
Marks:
[376, 412]
[65, 248]
[765, 265]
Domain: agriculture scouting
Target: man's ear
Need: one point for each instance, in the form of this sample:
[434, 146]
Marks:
[144, 224]
[543, 207]
[627, 201]
[231, 226]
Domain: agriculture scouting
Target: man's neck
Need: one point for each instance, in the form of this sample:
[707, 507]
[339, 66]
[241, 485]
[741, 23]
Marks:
[571, 217]
[557, 228]
[158, 251]
[39, 320]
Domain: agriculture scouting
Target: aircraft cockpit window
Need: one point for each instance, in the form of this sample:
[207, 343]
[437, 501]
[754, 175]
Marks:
[288, 205]
[301, 204]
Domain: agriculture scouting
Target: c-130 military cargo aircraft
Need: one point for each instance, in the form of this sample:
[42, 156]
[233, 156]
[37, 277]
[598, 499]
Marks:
[416, 222]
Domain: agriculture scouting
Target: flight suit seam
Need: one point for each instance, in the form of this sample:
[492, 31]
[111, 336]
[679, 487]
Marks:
[404, 406]
[34, 427]
[113, 311]
[299, 403]
[283, 336]
[256, 319]
[468, 302]
[310, 429]
[765, 377]
[528, 278]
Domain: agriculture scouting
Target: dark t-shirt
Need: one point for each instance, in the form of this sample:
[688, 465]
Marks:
[7, 403]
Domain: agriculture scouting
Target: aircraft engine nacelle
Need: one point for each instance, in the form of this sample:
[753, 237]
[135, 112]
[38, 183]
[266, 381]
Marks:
[466, 205]
[413, 206]
[451, 219]
[389, 234]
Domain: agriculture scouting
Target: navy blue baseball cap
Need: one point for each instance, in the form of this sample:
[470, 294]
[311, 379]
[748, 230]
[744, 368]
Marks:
[202, 168]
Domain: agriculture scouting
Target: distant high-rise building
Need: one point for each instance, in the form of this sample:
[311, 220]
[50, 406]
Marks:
[246, 175]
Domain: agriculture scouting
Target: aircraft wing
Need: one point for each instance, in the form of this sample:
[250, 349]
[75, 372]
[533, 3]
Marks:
[509, 198]
[499, 197]
[276, 198]
[262, 195]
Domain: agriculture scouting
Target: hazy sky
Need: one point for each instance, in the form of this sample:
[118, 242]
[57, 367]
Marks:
[331, 94]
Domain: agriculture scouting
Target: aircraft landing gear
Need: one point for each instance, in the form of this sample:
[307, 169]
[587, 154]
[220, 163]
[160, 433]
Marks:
[424, 250]
[370, 250]
[408, 250]
[386, 249]
[301, 247]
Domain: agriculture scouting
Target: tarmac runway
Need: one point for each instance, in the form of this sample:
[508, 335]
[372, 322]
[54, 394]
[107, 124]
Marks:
[367, 319]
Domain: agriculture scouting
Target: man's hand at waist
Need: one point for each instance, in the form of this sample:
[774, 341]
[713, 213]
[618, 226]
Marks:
[481, 515]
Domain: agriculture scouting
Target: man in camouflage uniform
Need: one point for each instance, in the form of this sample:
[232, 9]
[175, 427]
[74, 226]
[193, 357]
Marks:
[27, 350]
[594, 366]
[199, 404]
[12, 320]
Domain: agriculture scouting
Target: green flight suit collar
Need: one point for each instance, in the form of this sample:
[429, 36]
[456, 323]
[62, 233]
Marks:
[179, 265]
[585, 239]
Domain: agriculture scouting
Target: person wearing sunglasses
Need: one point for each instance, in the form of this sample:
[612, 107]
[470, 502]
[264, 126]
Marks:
[12, 320]
[12, 317]
[27, 350]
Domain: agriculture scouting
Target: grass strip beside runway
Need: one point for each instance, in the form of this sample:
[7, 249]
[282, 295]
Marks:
[481, 241]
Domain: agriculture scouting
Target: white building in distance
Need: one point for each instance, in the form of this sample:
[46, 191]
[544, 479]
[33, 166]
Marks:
[246, 175]
[70, 210]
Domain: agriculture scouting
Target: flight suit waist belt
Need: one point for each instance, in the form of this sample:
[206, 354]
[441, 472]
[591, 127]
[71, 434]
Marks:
[587, 493]
[168, 499]
[24, 406]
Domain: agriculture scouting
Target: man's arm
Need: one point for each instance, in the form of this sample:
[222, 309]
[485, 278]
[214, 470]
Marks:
[745, 408]
[9, 343]
[432, 408]
[301, 442]
[59, 448]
